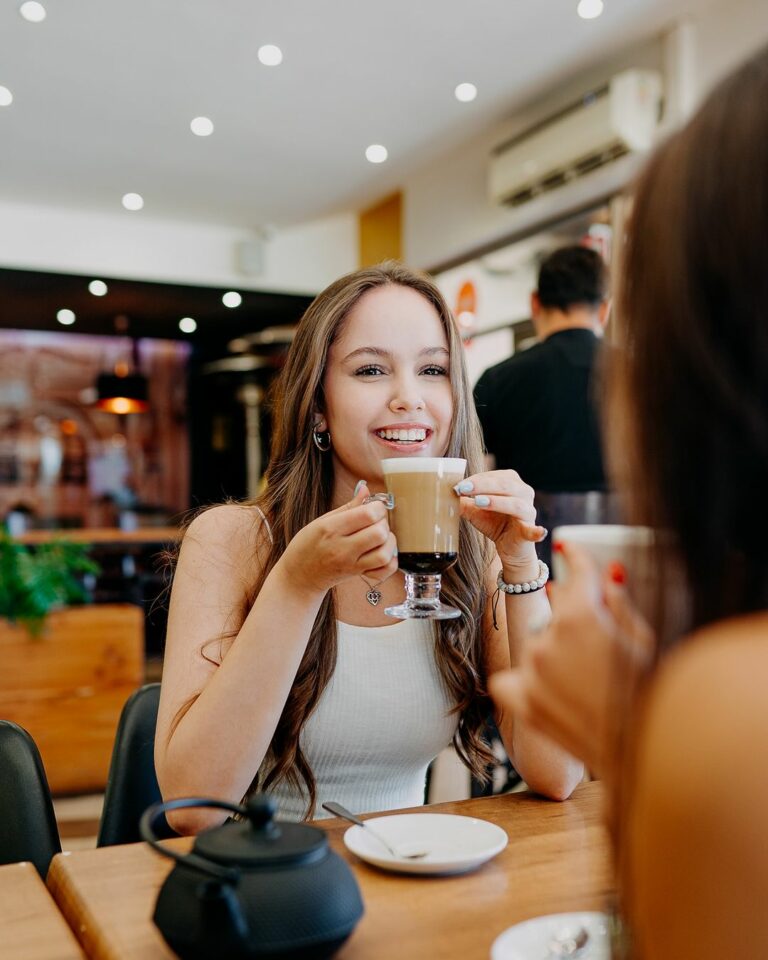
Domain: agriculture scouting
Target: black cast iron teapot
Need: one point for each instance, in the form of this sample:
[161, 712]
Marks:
[253, 888]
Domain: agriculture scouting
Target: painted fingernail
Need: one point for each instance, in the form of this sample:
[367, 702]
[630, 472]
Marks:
[543, 534]
[395, 553]
[358, 486]
[558, 548]
[466, 486]
[482, 501]
[617, 572]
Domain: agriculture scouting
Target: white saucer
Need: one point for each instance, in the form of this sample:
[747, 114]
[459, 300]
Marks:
[455, 844]
[531, 937]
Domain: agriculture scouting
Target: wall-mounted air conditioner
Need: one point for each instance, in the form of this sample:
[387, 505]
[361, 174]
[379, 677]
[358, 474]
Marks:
[618, 118]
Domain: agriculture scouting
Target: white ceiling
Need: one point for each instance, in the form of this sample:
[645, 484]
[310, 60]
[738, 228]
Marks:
[104, 91]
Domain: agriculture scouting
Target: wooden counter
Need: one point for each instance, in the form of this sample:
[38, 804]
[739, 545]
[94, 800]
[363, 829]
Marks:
[110, 535]
[557, 860]
[68, 686]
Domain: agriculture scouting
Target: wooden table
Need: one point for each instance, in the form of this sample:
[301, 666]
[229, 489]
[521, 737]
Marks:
[557, 860]
[31, 928]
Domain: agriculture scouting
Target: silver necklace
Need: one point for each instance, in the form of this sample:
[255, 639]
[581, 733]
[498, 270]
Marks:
[373, 595]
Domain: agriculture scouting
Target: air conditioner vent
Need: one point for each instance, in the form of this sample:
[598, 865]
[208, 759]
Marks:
[605, 125]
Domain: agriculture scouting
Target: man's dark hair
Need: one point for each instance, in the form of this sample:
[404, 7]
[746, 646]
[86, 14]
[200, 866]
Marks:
[572, 276]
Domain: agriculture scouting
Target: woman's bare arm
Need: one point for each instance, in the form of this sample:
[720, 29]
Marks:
[216, 722]
[545, 766]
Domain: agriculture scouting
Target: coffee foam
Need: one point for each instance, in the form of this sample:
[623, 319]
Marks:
[424, 465]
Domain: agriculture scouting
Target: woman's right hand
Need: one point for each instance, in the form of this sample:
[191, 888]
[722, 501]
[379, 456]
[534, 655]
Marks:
[350, 541]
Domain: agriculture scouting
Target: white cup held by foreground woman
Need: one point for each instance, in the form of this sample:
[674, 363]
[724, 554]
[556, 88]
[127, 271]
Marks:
[607, 544]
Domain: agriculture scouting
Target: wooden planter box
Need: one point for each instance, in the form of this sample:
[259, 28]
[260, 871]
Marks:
[68, 686]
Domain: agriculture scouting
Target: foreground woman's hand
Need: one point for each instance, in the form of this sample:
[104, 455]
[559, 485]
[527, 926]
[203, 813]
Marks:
[577, 676]
[500, 505]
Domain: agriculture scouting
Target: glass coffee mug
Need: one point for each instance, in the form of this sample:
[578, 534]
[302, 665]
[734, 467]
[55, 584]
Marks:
[425, 522]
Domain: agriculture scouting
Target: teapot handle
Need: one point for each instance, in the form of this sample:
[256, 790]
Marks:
[147, 830]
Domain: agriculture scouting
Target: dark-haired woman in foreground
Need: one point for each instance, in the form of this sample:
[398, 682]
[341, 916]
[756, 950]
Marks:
[689, 426]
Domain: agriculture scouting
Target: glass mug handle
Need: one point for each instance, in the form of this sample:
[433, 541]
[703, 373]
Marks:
[388, 499]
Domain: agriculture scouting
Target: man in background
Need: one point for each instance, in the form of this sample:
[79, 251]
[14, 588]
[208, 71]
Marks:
[537, 408]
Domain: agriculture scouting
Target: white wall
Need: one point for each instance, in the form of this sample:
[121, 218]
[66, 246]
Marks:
[447, 216]
[726, 34]
[301, 259]
[447, 212]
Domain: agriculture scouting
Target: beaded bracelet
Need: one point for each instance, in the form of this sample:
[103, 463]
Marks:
[527, 586]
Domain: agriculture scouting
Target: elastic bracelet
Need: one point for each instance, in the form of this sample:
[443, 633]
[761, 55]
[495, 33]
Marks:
[527, 586]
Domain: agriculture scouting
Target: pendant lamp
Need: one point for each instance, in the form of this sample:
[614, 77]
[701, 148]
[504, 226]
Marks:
[125, 389]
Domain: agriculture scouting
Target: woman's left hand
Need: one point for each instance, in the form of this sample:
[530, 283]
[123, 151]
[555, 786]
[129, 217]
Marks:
[500, 505]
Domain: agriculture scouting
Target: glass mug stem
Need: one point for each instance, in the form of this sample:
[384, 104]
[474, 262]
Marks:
[422, 599]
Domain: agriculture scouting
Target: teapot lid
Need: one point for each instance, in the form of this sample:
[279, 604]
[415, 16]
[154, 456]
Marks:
[260, 841]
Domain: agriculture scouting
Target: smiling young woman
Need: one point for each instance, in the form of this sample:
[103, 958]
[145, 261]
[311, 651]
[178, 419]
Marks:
[280, 674]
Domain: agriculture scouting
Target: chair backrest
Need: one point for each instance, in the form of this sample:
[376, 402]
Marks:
[132, 783]
[561, 509]
[27, 822]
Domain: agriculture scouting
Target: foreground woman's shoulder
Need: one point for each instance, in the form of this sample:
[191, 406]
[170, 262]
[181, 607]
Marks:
[698, 806]
[708, 706]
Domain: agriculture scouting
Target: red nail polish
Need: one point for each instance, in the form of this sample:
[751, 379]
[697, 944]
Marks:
[558, 547]
[617, 572]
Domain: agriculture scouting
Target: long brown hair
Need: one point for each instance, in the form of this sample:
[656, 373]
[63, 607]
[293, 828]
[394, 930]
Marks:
[691, 381]
[299, 486]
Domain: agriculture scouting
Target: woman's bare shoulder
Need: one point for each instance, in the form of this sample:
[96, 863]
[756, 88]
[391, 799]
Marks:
[703, 729]
[233, 527]
[699, 799]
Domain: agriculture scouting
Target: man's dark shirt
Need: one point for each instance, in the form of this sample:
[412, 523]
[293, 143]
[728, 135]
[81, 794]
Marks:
[538, 414]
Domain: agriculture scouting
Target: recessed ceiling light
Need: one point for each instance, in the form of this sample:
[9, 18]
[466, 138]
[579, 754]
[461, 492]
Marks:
[232, 299]
[6, 97]
[589, 9]
[133, 201]
[376, 153]
[201, 127]
[67, 317]
[32, 11]
[187, 325]
[270, 55]
[97, 287]
[466, 92]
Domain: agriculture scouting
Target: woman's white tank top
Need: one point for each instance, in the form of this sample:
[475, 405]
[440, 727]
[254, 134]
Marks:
[383, 717]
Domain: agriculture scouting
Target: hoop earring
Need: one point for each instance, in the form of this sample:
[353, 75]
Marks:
[322, 440]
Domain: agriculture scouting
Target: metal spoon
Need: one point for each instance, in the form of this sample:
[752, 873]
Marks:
[567, 943]
[405, 852]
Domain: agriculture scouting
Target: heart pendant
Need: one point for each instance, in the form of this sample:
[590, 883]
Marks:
[373, 597]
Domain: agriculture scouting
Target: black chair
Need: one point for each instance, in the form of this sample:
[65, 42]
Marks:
[27, 823]
[562, 509]
[132, 783]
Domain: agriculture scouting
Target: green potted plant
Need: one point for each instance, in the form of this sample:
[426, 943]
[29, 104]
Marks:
[68, 665]
[34, 582]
